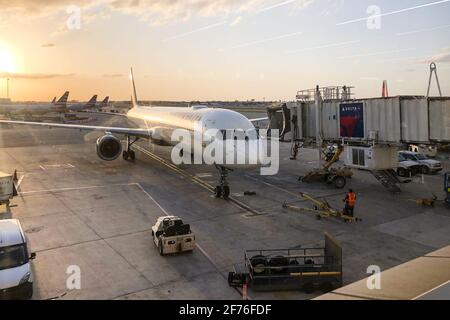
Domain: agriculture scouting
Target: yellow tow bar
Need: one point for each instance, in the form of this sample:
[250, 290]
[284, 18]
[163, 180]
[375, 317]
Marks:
[322, 209]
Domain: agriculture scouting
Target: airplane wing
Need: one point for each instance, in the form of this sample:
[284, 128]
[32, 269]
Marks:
[259, 119]
[135, 132]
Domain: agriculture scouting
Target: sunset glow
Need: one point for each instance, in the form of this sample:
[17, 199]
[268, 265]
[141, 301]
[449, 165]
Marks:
[7, 61]
[221, 50]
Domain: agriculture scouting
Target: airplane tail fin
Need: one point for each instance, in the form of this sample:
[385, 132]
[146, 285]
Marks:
[133, 90]
[91, 103]
[62, 102]
[105, 102]
[54, 100]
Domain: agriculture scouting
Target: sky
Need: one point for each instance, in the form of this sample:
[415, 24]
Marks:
[186, 50]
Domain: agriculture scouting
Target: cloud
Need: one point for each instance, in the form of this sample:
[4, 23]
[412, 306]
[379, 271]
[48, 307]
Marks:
[113, 75]
[40, 8]
[34, 76]
[332, 7]
[324, 46]
[370, 79]
[184, 34]
[155, 11]
[395, 12]
[299, 4]
[236, 21]
[442, 57]
[47, 45]
[283, 36]
[370, 54]
[164, 11]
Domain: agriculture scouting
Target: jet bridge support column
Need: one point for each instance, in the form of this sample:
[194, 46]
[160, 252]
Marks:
[319, 139]
[433, 69]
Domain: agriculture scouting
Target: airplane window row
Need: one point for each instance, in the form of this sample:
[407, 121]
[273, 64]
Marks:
[189, 117]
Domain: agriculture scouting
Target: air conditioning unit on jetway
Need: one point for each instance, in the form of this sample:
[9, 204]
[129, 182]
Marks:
[371, 158]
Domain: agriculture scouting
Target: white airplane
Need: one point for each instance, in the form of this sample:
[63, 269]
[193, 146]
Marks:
[158, 123]
[41, 108]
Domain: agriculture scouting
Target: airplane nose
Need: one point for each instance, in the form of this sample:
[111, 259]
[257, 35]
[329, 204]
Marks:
[248, 153]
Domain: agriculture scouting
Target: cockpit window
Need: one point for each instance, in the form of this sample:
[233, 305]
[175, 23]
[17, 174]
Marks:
[238, 134]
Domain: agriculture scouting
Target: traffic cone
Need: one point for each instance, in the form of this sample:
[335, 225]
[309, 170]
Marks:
[15, 176]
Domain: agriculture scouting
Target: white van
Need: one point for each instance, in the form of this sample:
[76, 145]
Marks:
[16, 279]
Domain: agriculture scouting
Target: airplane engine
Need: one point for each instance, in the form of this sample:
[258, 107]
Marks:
[109, 147]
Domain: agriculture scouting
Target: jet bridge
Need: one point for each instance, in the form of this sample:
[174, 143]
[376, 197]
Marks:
[382, 121]
[371, 130]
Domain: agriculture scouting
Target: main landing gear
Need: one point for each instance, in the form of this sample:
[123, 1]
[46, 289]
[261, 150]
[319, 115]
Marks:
[129, 154]
[223, 189]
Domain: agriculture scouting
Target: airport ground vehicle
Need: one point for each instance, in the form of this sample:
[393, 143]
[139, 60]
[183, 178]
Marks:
[16, 279]
[7, 188]
[171, 235]
[428, 165]
[328, 174]
[337, 177]
[304, 269]
[407, 168]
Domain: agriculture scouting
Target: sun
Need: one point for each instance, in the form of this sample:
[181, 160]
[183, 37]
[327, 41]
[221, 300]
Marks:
[7, 61]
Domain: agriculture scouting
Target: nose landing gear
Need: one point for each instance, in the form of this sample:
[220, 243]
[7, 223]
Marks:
[223, 189]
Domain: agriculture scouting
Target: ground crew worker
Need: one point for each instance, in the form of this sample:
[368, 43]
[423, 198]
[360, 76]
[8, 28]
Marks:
[350, 201]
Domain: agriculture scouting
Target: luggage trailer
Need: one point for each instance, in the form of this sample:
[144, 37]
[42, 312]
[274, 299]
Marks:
[305, 269]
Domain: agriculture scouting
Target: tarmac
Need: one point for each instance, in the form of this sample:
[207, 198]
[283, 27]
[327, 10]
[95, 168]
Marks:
[79, 210]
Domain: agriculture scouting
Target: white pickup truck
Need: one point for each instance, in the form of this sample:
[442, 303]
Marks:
[429, 166]
[171, 235]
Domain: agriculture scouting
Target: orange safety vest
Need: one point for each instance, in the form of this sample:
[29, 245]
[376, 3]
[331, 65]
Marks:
[351, 199]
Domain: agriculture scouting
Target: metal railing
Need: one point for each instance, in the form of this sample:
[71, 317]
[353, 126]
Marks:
[340, 93]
